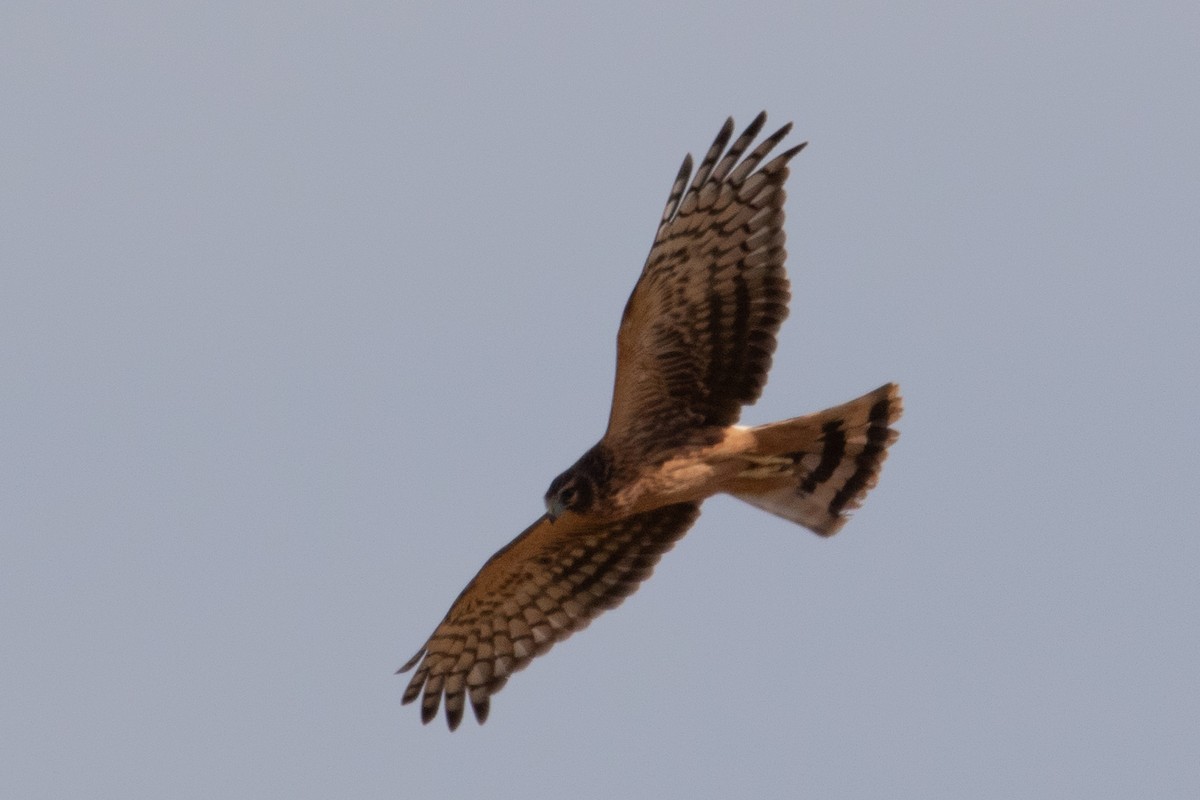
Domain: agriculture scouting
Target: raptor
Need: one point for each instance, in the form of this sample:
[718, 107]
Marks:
[694, 347]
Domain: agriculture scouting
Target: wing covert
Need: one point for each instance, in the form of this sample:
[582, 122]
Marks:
[698, 332]
[549, 582]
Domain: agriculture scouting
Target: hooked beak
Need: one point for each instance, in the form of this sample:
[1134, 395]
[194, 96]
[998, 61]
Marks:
[554, 509]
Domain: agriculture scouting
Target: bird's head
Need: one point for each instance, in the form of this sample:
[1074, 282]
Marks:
[571, 491]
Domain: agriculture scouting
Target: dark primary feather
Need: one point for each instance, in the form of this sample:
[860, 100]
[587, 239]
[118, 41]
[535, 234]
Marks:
[699, 329]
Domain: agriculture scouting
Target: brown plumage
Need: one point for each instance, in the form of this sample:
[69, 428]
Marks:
[694, 346]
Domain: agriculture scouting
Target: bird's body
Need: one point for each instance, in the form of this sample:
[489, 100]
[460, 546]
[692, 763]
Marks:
[694, 346]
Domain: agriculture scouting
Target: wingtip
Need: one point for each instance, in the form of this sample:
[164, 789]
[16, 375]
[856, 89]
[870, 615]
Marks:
[481, 708]
[453, 718]
[754, 128]
[412, 662]
[787, 155]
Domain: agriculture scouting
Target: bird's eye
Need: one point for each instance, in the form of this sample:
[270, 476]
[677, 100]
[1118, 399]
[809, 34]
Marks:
[567, 496]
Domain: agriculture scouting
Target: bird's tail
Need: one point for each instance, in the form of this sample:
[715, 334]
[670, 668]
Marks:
[814, 469]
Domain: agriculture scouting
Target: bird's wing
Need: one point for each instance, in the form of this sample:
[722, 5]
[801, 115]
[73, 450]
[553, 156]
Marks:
[698, 332]
[549, 582]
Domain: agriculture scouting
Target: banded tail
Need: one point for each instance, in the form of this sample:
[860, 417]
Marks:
[814, 469]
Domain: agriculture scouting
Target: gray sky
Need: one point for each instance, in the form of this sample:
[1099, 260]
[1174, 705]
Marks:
[303, 306]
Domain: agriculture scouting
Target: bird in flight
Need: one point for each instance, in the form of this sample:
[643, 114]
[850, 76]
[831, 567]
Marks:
[694, 346]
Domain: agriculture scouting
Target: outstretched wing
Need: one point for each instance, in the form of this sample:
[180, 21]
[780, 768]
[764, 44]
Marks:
[699, 329]
[549, 582]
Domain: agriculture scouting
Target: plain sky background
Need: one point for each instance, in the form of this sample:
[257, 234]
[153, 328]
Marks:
[303, 305]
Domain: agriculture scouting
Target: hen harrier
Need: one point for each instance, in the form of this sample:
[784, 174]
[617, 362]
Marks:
[694, 346]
